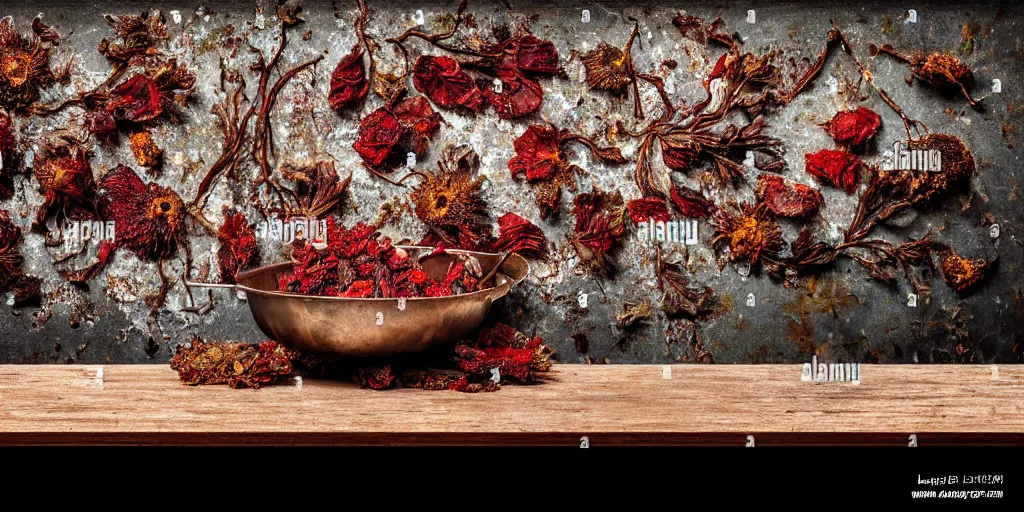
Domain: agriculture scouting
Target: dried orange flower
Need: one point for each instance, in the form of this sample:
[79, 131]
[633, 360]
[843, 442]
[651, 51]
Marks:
[24, 65]
[962, 273]
[751, 236]
[146, 152]
[450, 202]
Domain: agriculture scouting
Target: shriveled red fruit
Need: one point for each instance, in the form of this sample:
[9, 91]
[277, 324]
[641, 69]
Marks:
[149, 219]
[853, 127]
[238, 247]
[788, 198]
[519, 235]
[640, 210]
[349, 85]
[379, 132]
[835, 167]
[443, 81]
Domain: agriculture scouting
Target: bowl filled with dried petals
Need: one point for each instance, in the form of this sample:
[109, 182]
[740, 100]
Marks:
[405, 299]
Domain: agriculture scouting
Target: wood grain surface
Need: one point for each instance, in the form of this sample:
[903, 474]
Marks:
[610, 404]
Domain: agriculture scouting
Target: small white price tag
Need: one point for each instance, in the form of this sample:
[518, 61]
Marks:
[750, 441]
[496, 375]
[997, 85]
[584, 442]
[912, 16]
[751, 300]
[581, 298]
[912, 300]
[380, 318]
[498, 86]
[585, 16]
[666, 372]
[995, 373]
[418, 17]
[993, 231]
[751, 16]
[410, 159]
[912, 442]
[401, 304]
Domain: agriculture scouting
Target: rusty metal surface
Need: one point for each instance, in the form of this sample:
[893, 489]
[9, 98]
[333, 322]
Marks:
[840, 315]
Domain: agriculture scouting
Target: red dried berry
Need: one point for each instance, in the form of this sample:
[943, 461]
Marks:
[835, 167]
[443, 81]
[853, 127]
[379, 132]
[788, 198]
[349, 85]
[149, 220]
[640, 210]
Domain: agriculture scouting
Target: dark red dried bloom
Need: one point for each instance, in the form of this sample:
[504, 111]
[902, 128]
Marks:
[379, 132]
[136, 100]
[513, 353]
[420, 121]
[853, 127]
[538, 154]
[640, 210]
[12, 277]
[600, 222]
[788, 198]
[520, 96]
[528, 54]
[234, 363]
[835, 167]
[450, 201]
[443, 81]
[238, 247]
[962, 274]
[376, 377]
[65, 177]
[691, 203]
[149, 220]
[349, 85]
[8, 157]
[520, 236]
[24, 67]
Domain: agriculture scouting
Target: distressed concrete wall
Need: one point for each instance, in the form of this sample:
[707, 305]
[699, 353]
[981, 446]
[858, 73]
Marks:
[845, 316]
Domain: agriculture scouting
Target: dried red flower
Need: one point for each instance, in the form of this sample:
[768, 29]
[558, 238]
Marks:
[24, 66]
[136, 100]
[600, 222]
[238, 248]
[450, 201]
[65, 176]
[835, 167]
[962, 274]
[640, 210]
[381, 131]
[8, 157]
[234, 363]
[691, 203]
[149, 220]
[513, 353]
[12, 276]
[520, 236]
[788, 198]
[853, 127]
[349, 85]
[376, 377]
[752, 236]
[443, 81]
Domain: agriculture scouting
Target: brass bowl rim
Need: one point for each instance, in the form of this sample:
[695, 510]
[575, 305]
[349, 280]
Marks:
[277, 293]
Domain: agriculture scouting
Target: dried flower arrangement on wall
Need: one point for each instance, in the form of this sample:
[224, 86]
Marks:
[404, 93]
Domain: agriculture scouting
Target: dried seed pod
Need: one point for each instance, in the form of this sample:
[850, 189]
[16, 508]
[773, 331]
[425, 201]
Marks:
[788, 198]
[853, 127]
[962, 274]
[238, 247]
[834, 167]
[149, 219]
[147, 153]
[752, 236]
[450, 201]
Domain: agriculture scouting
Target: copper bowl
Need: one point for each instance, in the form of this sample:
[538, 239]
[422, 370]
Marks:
[376, 327]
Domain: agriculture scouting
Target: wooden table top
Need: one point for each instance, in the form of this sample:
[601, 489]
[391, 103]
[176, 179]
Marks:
[609, 404]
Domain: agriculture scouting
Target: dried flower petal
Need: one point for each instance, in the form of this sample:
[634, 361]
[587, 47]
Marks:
[835, 167]
[608, 69]
[691, 203]
[348, 81]
[65, 177]
[149, 219]
[238, 246]
[420, 121]
[445, 83]
[600, 222]
[853, 127]
[24, 67]
[752, 236]
[788, 198]
[136, 100]
[450, 201]
[640, 210]
[520, 236]
[379, 132]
